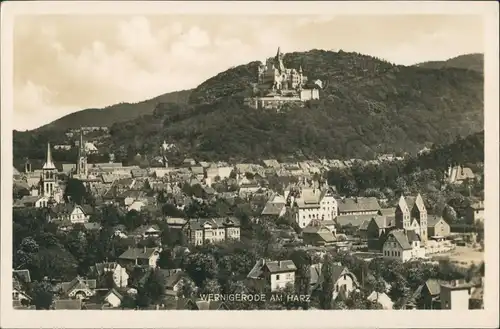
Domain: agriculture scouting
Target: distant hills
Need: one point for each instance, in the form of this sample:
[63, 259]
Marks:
[473, 62]
[368, 106]
[115, 113]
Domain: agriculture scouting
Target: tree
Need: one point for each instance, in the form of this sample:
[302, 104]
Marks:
[55, 263]
[201, 267]
[187, 288]
[211, 286]
[449, 214]
[326, 294]
[76, 192]
[154, 287]
[128, 302]
[42, 295]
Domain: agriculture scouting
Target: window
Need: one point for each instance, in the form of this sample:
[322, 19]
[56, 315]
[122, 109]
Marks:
[345, 276]
[337, 288]
[277, 276]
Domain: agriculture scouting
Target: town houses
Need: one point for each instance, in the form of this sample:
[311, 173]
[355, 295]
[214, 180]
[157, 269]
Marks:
[259, 226]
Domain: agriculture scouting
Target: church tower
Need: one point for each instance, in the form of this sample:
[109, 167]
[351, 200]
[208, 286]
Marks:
[81, 166]
[48, 182]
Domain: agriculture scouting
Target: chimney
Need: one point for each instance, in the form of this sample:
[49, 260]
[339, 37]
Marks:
[145, 249]
[263, 261]
[456, 282]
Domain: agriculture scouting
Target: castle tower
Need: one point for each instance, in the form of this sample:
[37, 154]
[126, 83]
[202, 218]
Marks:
[279, 61]
[81, 166]
[48, 181]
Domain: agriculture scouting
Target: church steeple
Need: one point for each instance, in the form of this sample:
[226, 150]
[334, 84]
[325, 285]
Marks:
[49, 164]
[81, 166]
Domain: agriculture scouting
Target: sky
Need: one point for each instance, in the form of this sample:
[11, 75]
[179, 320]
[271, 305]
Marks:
[66, 63]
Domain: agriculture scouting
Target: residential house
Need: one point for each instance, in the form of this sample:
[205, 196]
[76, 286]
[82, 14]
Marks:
[71, 213]
[344, 281]
[147, 231]
[316, 234]
[176, 223]
[271, 163]
[137, 205]
[313, 204]
[403, 245]
[20, 280]
[139, 173]
[225, 172]
[381, 298]
[212, 230]
[276, 274]
[140, 257]
[247, 187]
[358, 206]
[455, 295]
[128, 197]
[274, 209]
[113, 298]
[189, 162]
[351, 224]
[475, 213]
[377, 229]
[78, 288]
[32, 201]
[437, 227]
[427, 296]
[458, 175]
[198, 173]
[411, 214]
[118, 273]
[387, 212]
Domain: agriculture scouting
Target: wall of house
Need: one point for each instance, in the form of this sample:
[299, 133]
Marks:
[454, 299]
[368, 212]
[197, 237]
[306, 215]
[233, 233]
[308, 94]
[280, 280]
[392, 250]
[120, 277]
[473, 215]
[440, 229]
[344, 282]
[78, 216]
[113, 300]
[153, 259]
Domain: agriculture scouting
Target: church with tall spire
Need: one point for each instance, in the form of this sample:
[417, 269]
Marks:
[81, 165]
[49, 185]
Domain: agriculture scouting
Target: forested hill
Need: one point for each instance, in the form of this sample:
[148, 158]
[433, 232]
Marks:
[473, 62]
[115, 113]
[368, 107]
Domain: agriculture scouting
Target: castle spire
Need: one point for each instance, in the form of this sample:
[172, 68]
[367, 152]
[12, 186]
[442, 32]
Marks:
[49, 164]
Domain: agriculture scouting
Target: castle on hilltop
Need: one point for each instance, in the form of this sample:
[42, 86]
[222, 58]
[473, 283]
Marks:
[277, 85]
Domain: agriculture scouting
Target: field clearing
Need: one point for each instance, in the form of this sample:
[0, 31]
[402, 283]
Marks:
[465, 256]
